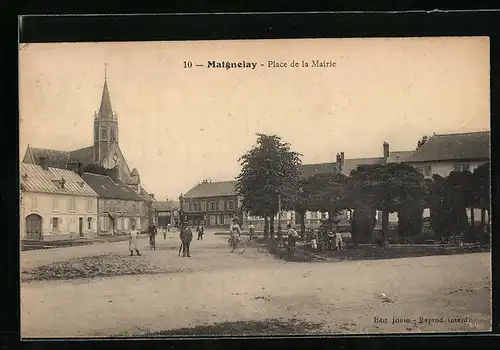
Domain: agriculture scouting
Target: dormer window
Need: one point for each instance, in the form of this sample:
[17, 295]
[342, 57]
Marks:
[60, 183]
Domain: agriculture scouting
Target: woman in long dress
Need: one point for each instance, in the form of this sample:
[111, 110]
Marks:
[132, 244]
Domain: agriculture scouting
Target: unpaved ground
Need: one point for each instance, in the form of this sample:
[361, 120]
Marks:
[217, 286]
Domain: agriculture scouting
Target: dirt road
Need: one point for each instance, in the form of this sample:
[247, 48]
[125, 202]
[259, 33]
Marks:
[426, 294]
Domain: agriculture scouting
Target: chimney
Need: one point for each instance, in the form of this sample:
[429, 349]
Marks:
[341, 158]
[386, 149]
[338, 158]
[44, 162]
[77, 167]
[152, 195]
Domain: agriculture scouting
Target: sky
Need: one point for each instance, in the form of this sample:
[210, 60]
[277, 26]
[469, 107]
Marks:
[179, 126]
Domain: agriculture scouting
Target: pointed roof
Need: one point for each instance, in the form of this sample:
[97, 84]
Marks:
[105, 111]
[109, 189]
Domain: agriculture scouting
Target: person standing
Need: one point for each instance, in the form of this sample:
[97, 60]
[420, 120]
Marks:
[235, 232]
[200, 232]
[164, 230]
[168, 227]
[292, 238]
[251, 228]
[132, 245]
[338, 240]
[186, 238]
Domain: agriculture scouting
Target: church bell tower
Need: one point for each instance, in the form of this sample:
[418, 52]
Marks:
[105, 125]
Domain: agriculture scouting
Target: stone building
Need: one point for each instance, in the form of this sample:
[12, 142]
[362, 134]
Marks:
[118, 207]
[167, 212]
[55, 204]
[105, 151]
[212, 203]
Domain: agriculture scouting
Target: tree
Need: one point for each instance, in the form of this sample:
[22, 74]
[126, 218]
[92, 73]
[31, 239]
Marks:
[421, 142]
[326, 192]
[388, 187]
[269, 171]
[481, 189]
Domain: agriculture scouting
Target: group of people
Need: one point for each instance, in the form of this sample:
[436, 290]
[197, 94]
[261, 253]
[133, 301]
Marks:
[326, 239]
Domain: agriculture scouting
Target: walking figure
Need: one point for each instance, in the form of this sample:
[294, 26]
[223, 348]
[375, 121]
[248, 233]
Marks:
[152, 236]
[186, 238]
[200, 232]
[338, 241]
[168, 227]
[132, 244]
[164, 230]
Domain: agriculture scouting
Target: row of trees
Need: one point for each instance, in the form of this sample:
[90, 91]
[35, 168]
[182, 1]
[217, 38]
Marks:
[270, 176]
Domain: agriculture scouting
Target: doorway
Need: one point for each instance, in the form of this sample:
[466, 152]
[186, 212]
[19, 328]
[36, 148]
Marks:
[34, 227]
[80, 226]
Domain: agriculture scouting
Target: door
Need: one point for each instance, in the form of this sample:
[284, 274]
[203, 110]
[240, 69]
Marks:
[80, 226]
[34, 227]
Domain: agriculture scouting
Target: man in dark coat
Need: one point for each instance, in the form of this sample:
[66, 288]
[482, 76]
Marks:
[186, 238]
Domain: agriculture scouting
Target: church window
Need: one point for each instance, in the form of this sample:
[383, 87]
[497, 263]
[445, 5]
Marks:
[112, 135]
[104, 134]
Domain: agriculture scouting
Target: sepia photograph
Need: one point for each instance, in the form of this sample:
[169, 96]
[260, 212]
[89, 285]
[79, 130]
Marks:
[255, 187]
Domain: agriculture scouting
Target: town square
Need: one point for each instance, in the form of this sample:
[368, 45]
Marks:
[259, 201]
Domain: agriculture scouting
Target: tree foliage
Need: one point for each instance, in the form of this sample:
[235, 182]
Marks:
[268, 169]
[421, 142]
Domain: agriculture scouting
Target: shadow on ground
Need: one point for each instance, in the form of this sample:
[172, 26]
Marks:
[243, 328]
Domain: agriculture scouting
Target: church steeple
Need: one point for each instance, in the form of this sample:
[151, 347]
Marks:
[105, 111]
[105, 124]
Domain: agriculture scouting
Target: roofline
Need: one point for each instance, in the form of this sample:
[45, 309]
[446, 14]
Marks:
[463, 133]
[222, 195]
[447, 160]
[64, 194]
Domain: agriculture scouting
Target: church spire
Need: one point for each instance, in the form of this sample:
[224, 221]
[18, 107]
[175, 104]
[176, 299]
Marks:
[105, 111]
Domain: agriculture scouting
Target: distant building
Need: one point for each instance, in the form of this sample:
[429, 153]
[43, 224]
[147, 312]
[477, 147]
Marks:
[213, 203]
[105, 151]
[442, 154]
[167, 212]
[119, 206]
[55, 204]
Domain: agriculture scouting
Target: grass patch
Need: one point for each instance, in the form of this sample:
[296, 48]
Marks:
[105, 265]
[244, 328]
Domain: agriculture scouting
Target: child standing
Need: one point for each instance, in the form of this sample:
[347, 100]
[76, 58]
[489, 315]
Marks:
[132, 245]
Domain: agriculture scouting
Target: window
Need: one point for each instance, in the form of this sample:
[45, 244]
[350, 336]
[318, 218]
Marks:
[55, 225]
[89, 223]
[55, 204]
[105, 224]
[190, 206]
[104, 134]
[203, 206]
[314, 215]
[112, 136]
[231, 205]
[72, 204]
[461, 167]
[212, 205]
[89, 205]
[34, 203]
[427, 170]
[119, 224]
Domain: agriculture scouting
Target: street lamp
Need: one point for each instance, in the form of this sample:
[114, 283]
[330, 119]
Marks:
[181, 210]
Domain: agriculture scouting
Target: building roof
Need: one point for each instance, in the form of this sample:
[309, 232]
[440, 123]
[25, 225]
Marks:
[399, 156]
[308, 170]
[167, 205]
[212, 189]
[463, 146]
[144, 194]
[107, 188]
[83, 155]
[55, 159]
[36, 179]
[352, 163]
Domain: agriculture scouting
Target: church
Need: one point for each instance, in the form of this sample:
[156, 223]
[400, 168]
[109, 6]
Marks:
[105, 151]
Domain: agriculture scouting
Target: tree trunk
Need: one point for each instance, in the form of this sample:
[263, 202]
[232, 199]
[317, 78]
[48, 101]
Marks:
[302, 214]
[472, 220]
[385, 226]
[266, 227]
[483, 218]
[271, 226]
